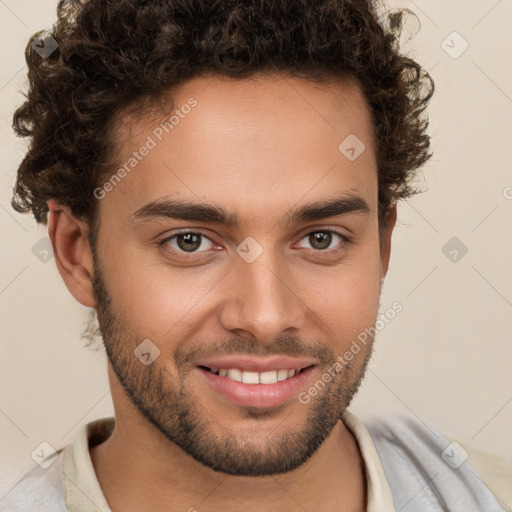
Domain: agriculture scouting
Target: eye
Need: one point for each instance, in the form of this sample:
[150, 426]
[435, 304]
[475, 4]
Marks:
[321, 240]
[187, 242]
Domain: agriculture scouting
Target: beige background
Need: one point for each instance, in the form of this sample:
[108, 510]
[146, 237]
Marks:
[446, 358]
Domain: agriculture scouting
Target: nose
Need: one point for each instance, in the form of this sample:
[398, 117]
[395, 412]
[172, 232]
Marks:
[262, 301]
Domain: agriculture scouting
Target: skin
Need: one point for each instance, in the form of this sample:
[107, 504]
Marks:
[258, 147]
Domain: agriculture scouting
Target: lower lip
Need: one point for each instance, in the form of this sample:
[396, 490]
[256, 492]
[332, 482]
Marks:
[257, 395]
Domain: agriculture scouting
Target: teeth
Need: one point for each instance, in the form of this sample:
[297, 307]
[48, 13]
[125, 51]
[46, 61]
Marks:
[235, 374]
[270, 377]
[250, 377]
[283, 374]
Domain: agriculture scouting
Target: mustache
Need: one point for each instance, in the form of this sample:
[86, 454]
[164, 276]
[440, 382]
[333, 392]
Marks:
[285, 345]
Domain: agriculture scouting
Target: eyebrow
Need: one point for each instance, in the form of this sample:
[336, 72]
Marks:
[199, 212]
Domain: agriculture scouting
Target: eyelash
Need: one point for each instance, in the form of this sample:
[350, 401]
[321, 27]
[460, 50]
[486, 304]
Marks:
[163, 243]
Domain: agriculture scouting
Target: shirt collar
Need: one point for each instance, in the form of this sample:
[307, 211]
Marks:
[378, 491]
[84, 493]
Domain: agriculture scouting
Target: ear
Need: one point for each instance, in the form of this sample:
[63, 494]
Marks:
[385, 244]
[72, 252]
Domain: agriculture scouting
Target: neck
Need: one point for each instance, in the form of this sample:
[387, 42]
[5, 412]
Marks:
[134, 474]
[138, 469]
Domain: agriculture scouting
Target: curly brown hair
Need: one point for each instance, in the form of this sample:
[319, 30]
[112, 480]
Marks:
[117, 54]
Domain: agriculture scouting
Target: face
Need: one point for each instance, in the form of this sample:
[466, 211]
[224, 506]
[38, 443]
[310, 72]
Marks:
[277, 266]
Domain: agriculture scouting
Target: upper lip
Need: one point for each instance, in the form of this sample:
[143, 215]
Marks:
[254, 364]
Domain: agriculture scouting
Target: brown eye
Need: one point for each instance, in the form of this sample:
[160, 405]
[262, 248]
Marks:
[187, 242]
[320, 240]
[323, 239]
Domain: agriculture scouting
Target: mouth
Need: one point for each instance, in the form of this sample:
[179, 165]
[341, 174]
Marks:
[253, 377]
[249, 388]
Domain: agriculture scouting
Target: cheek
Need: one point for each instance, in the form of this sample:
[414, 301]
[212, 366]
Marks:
[347, 293]
[159, 301]
[155, 300]
[346, 309]
[345, 302]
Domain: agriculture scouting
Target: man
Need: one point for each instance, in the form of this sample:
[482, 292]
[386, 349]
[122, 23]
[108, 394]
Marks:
[220, 183]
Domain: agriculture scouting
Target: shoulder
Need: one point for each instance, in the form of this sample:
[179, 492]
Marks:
[41, 489]
[494, 471]
[425, 468]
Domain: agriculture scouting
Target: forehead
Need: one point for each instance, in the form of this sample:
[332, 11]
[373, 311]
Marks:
[249, 144]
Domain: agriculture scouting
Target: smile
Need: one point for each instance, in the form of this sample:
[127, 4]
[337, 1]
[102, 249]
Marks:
[248, 377]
